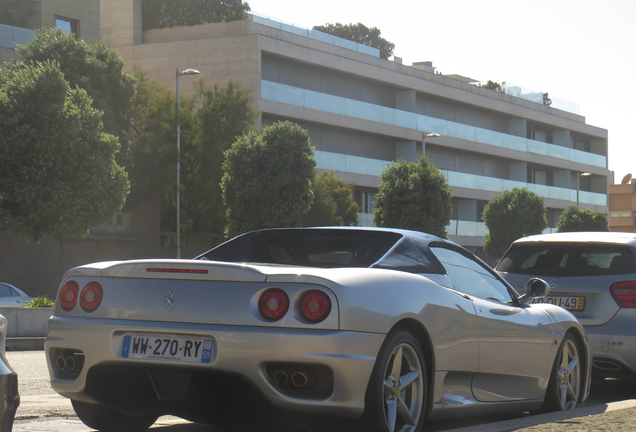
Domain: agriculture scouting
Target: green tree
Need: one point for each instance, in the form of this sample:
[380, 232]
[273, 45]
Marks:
[513, 214]
[333, 204]
[226, 113]
[493, 85]
[152, 136]
[267, 178]
[175, 13]
[361, 34]
[57, 166]
[95, 68]
[575, 219]
[546, 99]
[413, 195]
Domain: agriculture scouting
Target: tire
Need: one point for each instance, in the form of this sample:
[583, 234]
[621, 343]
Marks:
[397, 391]
[566, 379]
[108, 420]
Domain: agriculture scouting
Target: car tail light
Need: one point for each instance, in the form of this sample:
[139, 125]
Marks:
[315, 306]
[273, 304]
[91, 296]
[624, 294]
[68, 295]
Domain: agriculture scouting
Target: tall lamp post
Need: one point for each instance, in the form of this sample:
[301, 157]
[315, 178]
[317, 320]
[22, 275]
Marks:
[424, 136]
[179, 73]
[578, 187]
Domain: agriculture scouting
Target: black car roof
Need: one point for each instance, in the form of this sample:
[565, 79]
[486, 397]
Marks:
[409, 250]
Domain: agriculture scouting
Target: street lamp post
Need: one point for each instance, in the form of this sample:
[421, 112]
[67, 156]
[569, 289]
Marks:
[431, 135]
[578, 187]
[179, 73]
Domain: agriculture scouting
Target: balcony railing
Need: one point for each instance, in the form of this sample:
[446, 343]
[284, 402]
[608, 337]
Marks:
[315, 34]
[11, 36]
[363, 110]
[361, 165]
[454, 228]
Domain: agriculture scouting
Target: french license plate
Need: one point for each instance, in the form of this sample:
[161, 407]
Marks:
[569, 303]
[160, 347]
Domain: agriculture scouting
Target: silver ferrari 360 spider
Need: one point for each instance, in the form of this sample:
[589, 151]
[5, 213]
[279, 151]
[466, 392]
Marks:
[388, 327]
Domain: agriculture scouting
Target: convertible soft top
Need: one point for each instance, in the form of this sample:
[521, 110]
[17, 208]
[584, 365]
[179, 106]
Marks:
[393, 249]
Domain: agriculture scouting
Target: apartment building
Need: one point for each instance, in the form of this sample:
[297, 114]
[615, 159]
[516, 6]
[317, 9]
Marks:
[622, 206]
[363, 112]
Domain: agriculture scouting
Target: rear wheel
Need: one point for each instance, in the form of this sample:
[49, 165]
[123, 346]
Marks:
[564, 388]
[106, 419]
[396, 396]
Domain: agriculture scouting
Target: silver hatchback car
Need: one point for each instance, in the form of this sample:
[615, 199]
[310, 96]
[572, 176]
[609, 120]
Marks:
[593, 275]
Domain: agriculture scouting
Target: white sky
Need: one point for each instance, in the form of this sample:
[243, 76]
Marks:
[582, 51]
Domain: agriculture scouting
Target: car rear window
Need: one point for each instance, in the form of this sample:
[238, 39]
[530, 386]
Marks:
[547, 259]
[311, 248]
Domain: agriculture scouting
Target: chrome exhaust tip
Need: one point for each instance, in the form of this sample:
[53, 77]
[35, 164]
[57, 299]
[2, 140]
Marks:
[299, 379]
[280, 378]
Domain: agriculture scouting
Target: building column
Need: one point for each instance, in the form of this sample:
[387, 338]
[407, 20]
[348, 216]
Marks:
[121, 22]
[562, 138]
[518, 127]
[406, 150]
[518, 171]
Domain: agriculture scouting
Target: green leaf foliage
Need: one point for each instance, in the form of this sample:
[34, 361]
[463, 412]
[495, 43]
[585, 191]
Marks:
[57, 166]
[226, 113]
[333, 204]
[153, 137]
[415, 196]
[40, 302]
[175, 13]
[267, 178]
[514, 214]
[361, 34]
[97, 69]
[574, 219]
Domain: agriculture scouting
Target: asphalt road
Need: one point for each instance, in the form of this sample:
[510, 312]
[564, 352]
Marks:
[41, 410]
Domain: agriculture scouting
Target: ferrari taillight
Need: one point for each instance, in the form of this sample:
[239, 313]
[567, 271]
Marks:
[273, 304]
[91, 296]
[624, 294]
[68, 295]
[315, 306]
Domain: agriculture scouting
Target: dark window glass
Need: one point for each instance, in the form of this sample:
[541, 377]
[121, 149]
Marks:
[319, 248]
[568, 260]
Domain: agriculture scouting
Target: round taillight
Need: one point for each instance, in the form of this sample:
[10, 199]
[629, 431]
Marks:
[315, 306]
[273, 304]
[91, 296]
[68, 295]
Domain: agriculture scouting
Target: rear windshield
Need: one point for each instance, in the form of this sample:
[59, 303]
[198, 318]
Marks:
[312, 248]
[568, 260]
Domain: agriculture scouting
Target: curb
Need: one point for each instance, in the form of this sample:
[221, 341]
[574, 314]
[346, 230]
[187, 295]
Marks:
[24, 343]
[535, 420]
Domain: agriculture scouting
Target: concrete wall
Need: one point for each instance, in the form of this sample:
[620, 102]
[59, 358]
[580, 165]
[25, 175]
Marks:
[27, 322]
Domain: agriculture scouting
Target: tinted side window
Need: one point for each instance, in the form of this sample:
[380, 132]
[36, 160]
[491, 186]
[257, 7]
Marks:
[470, 277]
[568, 260]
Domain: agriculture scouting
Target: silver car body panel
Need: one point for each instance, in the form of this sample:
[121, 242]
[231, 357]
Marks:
[480, 347]
[610, 329]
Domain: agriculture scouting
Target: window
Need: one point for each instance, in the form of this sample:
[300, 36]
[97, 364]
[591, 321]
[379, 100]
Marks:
[470, 277]
[67, 25]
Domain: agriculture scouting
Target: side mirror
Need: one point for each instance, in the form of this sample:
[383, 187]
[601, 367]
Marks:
[535, 288]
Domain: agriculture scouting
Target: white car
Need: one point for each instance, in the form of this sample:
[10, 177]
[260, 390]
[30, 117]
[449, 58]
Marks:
[12, 296]
[388, 327]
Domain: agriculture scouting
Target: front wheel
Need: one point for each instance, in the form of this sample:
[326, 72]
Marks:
[396, 396]
[106, 419]
[564, 388]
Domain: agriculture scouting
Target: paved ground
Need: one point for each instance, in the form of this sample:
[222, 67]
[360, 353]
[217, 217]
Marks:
[611, 408]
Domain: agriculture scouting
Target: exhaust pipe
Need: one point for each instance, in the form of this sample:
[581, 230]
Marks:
[70, 363]
[299, 379]
[60, 363]
[280, 378]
